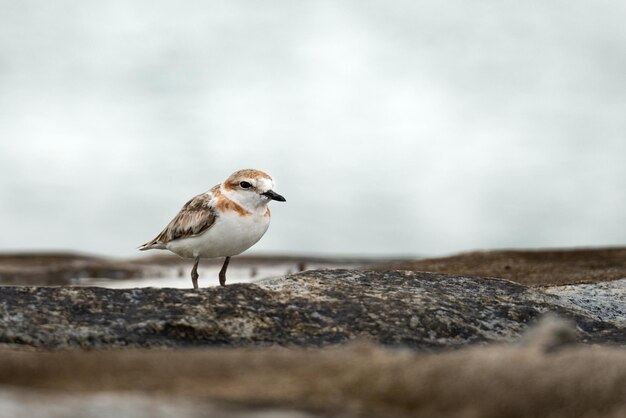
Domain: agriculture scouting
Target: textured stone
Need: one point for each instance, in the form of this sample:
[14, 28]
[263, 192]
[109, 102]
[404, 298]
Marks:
[605, 301]
[313, 308]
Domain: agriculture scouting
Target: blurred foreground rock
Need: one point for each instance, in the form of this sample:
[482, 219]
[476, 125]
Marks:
[313, 308]
[354, 380]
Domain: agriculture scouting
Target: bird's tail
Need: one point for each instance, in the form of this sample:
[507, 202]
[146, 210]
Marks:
[151, 245]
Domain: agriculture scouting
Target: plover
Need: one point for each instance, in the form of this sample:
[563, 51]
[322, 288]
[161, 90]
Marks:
[222, 222]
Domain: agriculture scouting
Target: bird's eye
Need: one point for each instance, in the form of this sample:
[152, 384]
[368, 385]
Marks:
[245, 185]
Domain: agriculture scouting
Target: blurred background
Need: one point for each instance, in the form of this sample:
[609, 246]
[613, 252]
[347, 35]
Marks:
[393, 128]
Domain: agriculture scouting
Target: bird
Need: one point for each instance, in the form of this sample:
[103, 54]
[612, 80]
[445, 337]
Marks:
[221, 222]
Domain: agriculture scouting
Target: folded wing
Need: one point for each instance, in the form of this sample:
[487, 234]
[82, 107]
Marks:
[195, 217]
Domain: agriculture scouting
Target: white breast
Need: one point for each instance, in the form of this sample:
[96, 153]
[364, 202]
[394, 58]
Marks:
[231, 234]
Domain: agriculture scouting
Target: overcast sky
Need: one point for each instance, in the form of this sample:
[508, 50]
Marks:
[393, 128]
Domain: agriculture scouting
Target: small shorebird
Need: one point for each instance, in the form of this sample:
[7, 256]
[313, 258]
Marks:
[223, 222]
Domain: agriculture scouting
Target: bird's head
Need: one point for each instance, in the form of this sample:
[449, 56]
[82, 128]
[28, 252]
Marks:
[251, 188]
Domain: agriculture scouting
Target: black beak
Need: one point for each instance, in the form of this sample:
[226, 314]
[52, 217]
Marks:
[274, 196]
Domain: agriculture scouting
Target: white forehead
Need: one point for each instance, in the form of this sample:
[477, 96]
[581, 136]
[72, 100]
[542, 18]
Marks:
[264, 184]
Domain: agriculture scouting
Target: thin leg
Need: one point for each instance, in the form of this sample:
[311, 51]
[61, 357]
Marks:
[223, 272]
[194, 273]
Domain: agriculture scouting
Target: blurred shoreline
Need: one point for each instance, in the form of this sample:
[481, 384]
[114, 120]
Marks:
[73, 268]
[531, 267]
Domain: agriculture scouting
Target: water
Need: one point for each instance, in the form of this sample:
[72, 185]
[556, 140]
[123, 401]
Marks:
[238, 272]
[392, 128]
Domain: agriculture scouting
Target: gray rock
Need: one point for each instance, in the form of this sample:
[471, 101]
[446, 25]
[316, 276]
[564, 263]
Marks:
[605, 301]
[313, 308]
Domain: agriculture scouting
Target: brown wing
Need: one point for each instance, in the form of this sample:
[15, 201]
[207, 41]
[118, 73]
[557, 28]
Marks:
[195, 217]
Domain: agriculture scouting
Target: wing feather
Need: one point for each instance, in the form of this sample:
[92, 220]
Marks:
[195, 217]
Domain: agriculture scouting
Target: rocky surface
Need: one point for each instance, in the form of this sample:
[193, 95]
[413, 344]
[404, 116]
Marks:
[251, 350]
[313, 308]
[605, 301]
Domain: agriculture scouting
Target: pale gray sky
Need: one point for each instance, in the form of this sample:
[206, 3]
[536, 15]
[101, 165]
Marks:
[405, 127]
